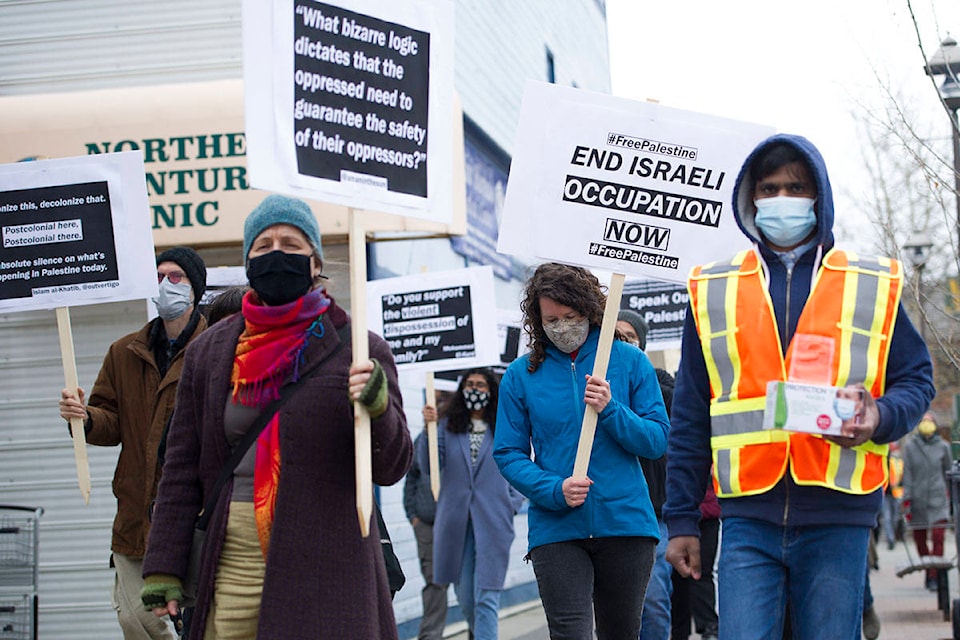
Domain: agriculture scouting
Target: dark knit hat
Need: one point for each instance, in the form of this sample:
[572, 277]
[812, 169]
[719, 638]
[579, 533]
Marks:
[192, 265]
[277, 209]
[639, 325]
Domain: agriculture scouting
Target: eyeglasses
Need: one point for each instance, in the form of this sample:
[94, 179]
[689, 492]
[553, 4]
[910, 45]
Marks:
[174, 277]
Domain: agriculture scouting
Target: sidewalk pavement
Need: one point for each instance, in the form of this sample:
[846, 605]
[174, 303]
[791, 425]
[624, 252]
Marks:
[907, 610]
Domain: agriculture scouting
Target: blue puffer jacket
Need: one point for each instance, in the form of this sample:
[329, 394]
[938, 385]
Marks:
[909, 387]
[541, 413]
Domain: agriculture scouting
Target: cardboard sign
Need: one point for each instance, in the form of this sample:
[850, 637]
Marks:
[434, 320]
[75, 231]
[623, 186]
[349, 101]
[809, 408]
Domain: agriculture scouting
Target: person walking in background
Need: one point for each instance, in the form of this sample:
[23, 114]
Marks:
[421, 511]
[890, 510]
[697, 598]
[474, 526]
[657, 610]
[926, 461]
[592, 541]
[284, 556]
[796, 506]
[130, 405]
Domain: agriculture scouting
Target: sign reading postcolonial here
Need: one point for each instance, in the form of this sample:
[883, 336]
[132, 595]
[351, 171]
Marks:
[350, 101]
[437, 321]
[623, 186]
[75, 231]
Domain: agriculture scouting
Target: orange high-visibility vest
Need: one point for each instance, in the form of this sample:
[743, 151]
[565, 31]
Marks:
[851, 308]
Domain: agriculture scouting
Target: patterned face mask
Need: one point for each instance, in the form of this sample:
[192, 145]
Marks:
[567, 335]
[476, 400]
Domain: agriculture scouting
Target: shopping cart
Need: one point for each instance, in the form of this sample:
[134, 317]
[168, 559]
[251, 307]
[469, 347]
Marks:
[19, 573]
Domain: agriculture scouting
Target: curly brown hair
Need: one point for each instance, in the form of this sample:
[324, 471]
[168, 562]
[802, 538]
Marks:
[574, 287]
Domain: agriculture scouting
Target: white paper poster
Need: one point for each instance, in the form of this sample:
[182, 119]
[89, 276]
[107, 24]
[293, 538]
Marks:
[437, 321]
[350, 101]
[624, 186]
[75, 231]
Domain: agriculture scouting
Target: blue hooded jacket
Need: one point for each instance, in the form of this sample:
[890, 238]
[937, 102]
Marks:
[541, 413]
[909, 384]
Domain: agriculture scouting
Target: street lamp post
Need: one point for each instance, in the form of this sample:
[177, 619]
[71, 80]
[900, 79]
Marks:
[917, 250]
[946, 62]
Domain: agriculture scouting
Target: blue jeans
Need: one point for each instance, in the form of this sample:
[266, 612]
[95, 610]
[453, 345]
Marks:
[480, 606]
[656, 605]
[820, 569]
[605, 576]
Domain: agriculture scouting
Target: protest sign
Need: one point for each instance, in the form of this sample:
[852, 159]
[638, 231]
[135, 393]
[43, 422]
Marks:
[624, 186]
[435, 321]
[61, 222]
[663, 306]
[511, 342]
[350, 101]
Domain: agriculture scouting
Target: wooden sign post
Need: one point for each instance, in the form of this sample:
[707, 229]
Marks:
[432, 450]
[76, 424]
[589, 426]
[361, 351]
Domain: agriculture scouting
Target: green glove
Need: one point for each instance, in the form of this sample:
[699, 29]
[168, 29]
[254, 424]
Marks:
[374, 394]
[159, 589]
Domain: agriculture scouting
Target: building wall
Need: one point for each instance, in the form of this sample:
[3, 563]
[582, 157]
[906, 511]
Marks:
[52, 48]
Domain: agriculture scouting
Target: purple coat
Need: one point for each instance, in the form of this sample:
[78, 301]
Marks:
[323, 580]
[478, 493]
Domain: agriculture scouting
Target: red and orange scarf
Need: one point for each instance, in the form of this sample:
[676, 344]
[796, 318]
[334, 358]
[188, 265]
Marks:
[269, 353]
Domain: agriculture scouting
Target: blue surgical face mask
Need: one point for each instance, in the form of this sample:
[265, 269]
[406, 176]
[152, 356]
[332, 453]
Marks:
[174, 299]
[785, 221]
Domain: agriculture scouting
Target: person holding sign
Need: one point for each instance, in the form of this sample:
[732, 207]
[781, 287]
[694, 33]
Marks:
[473, 529]
[284, 556]
[591, 541]
[130, 405]
[797, 507]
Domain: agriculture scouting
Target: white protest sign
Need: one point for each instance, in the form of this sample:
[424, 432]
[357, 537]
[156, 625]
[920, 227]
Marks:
[663, 306]
[624, 186]
[351, 102]
[75, 231]
[436, 321]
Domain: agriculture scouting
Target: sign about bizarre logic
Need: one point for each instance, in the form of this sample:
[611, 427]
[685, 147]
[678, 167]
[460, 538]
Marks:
[61, 224]
[350, 101]
[624, 186]
[437, 321]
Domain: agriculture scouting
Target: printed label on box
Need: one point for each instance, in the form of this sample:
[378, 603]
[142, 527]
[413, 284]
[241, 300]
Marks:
[808, 408]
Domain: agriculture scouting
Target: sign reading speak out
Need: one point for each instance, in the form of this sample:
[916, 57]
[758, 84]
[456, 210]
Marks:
[437, 321]
[629, 187]
[61, 224]
[350, 101]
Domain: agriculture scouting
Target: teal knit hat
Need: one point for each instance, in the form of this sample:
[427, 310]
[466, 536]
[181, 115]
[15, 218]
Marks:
[277, 209]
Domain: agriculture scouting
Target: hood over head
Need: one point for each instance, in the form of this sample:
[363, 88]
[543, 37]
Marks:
[743, 206]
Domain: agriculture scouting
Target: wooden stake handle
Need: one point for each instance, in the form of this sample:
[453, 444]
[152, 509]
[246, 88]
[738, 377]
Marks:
[434, 452]
[589, 426]
[76, 424]
[361, 352]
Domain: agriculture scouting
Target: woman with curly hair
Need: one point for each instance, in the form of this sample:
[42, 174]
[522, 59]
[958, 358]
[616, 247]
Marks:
[476, 505]
[591, 540]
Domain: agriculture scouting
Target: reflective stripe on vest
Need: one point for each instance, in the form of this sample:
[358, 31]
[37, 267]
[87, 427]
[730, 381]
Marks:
[853, 303]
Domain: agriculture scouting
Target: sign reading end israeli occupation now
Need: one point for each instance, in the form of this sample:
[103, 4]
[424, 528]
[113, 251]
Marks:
[363, 100]
[61, 223]
[437, 321]
[624, 186]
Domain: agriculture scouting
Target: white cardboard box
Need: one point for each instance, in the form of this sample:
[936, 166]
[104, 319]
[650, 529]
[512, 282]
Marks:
[807, 407]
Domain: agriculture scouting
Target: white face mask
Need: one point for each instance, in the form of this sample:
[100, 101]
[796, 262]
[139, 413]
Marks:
[174, 299]
[567, 335]
[785, 220]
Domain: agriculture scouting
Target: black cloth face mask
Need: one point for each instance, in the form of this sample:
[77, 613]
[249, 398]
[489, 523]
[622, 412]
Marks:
[280, 278]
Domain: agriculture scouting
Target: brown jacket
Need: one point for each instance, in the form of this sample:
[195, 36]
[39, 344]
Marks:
[130, 406]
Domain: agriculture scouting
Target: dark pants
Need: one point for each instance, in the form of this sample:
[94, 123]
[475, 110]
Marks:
[697, 597]
[606, 577]
[434, 596]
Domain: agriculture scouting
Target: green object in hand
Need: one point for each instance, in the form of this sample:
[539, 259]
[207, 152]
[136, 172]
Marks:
[780, 410]
[159, 589]
[374, 394]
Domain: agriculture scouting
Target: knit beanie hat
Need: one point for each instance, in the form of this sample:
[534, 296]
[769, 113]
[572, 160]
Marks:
[277, 209]
[192, 265]
[639, 325]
